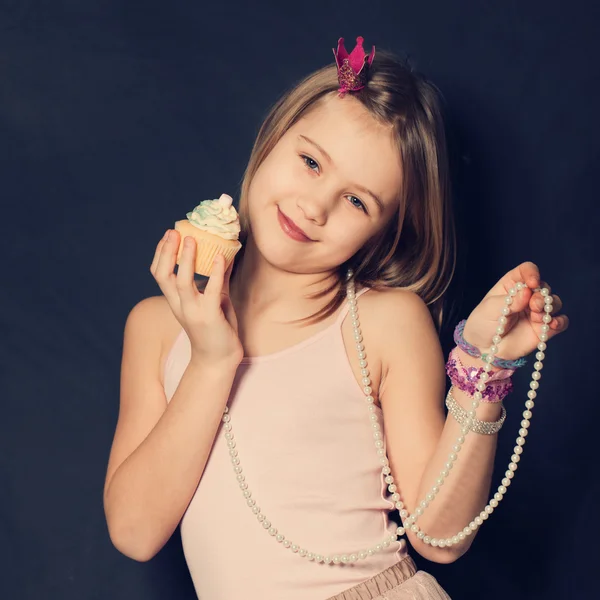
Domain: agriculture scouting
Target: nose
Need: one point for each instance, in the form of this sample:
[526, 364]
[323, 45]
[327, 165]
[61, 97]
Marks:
[315, 207]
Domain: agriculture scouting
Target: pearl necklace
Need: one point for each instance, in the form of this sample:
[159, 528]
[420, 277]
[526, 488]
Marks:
[408, 520]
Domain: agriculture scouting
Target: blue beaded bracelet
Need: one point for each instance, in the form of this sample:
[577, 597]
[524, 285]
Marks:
[503, 363]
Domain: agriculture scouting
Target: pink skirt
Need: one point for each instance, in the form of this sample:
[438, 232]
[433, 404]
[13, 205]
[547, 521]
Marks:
[401, 581]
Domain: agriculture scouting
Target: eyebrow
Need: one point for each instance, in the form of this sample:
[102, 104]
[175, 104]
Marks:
[330, 160]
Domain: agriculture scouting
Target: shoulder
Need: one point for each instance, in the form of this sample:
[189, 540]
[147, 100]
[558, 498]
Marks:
[155, 311]
[397, 307]
[402, 329]
[151, 322]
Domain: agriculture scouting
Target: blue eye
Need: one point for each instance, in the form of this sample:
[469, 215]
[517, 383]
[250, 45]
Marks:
[311, 163]
[359, 205]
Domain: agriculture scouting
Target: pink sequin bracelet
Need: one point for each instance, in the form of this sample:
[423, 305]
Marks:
[499, 385]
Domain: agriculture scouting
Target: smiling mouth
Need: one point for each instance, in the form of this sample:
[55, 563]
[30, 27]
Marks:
[291, 229]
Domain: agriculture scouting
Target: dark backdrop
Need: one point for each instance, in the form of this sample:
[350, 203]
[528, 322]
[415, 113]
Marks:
[118, 117]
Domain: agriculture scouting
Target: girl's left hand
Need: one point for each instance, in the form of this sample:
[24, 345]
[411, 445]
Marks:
[523, 326]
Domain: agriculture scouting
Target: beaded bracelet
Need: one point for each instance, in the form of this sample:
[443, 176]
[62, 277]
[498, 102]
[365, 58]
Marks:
[477, 426]
[503, 363]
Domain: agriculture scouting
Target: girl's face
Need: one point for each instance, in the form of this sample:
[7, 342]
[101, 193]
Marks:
[336, 174]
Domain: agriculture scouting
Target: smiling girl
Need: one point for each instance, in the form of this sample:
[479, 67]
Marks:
[281, 414]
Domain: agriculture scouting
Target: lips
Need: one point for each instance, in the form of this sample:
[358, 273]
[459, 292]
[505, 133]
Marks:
[291, 229]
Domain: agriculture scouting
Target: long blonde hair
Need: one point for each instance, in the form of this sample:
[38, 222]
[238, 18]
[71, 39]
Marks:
[417, 250]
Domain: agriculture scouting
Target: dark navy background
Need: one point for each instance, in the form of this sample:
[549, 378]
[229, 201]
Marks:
[118, 117]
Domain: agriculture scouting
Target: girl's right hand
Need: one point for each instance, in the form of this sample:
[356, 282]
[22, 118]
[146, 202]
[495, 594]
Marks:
[207, 317]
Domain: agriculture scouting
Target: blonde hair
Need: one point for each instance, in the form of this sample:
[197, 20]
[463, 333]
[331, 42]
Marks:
[417, 250]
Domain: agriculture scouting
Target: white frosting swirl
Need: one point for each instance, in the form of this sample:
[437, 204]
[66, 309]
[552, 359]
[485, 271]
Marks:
[217, 216]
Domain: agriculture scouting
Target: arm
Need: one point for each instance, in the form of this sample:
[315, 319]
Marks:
[160, 450]
[418, 436]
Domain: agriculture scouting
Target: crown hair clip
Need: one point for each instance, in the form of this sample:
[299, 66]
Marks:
[352, 68]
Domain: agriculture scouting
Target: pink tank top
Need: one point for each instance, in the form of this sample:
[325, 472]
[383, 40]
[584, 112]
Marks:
[306, 446]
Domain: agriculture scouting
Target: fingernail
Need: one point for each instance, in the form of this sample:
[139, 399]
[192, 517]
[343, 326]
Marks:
[167, 234]
[540, 304]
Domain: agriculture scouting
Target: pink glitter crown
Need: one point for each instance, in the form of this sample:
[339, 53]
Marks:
[352, 68]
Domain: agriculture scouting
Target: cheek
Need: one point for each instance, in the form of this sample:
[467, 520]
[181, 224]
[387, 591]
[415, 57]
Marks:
[278, 179]
[345, 239]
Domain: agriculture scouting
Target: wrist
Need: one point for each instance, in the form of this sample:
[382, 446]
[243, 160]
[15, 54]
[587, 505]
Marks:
[486, 411]
[470, 361]
[466, 373]
[215, 370]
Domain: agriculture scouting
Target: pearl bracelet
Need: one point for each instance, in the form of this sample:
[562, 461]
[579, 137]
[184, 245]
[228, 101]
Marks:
[477, 426]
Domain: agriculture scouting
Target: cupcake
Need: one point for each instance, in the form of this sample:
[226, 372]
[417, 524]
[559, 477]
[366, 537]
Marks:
[215, 226]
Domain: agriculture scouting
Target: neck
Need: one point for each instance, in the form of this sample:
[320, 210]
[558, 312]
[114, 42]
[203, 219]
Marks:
[258, 286]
